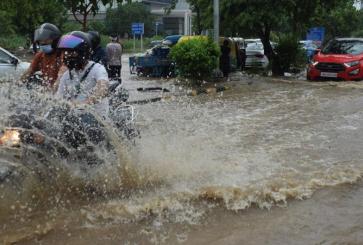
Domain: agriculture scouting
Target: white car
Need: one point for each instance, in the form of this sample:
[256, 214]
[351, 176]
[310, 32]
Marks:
[255, 56]
[11, 67]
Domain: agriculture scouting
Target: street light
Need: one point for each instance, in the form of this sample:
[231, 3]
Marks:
[216, 20]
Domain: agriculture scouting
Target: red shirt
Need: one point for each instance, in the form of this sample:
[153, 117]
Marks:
[48, 64]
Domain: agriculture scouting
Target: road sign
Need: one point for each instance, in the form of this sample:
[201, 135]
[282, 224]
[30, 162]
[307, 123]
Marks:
[316, 34]
[137, 28]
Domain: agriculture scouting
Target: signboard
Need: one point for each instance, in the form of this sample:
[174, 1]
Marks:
[137, 28]
[316, 34]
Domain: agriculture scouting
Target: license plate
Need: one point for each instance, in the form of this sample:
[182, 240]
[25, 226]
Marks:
[328, 74]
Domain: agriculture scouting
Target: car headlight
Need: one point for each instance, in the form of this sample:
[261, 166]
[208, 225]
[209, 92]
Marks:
[10, 137]
[353, 63]
[314, 63]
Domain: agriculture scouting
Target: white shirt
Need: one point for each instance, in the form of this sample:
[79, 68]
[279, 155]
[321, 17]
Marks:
[73, 89]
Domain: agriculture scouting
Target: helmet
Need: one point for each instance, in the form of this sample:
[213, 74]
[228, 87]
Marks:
[47, 31]
[95, 38]
[79, 42]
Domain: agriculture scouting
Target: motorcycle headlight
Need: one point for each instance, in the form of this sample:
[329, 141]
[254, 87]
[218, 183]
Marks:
[10, 138]
[353, 63]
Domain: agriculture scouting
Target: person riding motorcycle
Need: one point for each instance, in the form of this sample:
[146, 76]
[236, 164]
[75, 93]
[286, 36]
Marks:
[85, 81]
[98, 53]
[49, 60]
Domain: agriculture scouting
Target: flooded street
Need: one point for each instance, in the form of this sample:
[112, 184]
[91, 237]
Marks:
[260, 163]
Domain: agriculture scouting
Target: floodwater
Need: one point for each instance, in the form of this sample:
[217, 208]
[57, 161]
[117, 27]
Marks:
[260, 163]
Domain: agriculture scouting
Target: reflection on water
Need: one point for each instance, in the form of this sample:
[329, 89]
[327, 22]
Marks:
[257, 145]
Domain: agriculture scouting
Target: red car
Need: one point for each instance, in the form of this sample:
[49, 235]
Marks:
[339, 59]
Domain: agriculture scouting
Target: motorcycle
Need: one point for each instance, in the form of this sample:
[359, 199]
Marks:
[67, 134]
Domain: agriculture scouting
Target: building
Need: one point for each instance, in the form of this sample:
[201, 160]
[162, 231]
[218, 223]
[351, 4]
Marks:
[177, 21]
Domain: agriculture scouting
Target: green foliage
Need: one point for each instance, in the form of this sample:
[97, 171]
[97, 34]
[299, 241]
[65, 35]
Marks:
[99, 26]
[290, 53]
[118, 21]
[128, 44]
[81, 9]
[24, 16]
[70, 26]
[340, 18]
[261, 18]
[76, 26]
[13, 42]
[196, 58]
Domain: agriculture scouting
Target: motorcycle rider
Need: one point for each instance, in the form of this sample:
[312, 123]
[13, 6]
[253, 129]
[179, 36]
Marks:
[98, 53]
[85, 81]
[49, 60]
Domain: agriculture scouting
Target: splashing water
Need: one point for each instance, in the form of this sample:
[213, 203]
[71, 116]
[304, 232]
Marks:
[258, 145]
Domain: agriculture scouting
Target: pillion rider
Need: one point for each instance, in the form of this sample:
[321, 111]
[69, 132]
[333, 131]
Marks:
[49, 60]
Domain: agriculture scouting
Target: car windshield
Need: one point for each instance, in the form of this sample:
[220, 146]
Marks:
[344, 47]
[254, 46]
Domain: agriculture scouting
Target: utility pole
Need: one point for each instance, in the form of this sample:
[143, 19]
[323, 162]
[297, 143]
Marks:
[216, 20]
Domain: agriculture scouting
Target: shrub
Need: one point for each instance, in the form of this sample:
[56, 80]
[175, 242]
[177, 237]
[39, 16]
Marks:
[196, 58]
[71, 26]
[290, 54]
[97, 26]
[13, 42]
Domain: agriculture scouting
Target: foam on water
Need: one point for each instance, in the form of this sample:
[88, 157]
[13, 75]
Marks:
[260, 146]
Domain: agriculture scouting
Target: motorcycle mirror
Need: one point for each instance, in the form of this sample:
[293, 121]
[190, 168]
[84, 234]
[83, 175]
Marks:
[14, 61]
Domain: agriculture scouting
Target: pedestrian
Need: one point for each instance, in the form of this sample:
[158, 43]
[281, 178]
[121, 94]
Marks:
[84, 81]
[225, 62]
[49, 60]
[98, 53]
[114, 53]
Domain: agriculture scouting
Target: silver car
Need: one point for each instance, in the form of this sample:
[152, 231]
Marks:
[255, 56]
[11, 67]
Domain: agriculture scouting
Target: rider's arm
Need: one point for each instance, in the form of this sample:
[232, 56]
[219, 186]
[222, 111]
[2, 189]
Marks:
[34, 67]
[100, 91]
[61, 71]
[101, 88]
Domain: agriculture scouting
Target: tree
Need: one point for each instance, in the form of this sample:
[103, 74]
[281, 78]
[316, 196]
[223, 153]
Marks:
[84, 8]
[119, 20]
[340, 19]
[23, 16]
[7, 10]
[262, 17]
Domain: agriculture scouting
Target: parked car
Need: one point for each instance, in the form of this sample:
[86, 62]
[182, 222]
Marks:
[155, 63]
[310, 47]
[339, 59]
[255, 56]
[155, 43]
[171, 40]
[11, 67]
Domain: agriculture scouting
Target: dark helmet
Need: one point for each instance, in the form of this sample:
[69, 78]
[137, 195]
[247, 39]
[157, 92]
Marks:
[95, 38]
[79, 42]
[47, 31]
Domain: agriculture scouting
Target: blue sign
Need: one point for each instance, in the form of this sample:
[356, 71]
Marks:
[316, 34]
[137, 28]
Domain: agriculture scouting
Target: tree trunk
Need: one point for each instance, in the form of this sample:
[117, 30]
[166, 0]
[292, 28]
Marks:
[273, 58]
[84, 23]
[198, 20]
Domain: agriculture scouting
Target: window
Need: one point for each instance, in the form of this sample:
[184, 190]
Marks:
[4, 58]
[353, 47]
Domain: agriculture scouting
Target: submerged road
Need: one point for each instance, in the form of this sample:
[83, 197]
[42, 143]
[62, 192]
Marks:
[264, 162]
